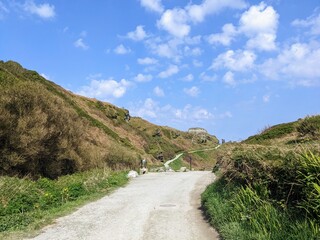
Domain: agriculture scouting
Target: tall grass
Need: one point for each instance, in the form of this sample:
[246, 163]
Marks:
[25, 203]
[266, 192]
[240, 213]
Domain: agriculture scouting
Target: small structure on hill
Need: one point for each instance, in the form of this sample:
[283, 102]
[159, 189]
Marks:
[197, 131]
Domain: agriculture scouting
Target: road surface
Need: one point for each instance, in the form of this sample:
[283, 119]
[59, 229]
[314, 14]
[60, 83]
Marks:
[154, 206]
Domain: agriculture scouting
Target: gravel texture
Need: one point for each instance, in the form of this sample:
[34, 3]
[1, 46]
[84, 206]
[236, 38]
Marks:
[151, 207]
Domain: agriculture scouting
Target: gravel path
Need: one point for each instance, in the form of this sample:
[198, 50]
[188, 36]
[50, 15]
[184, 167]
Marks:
[166, 164]
[152, 207]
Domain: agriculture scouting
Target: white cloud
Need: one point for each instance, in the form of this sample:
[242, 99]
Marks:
[197, 13]
[207, 78]
[312, 22]
[192, 51]
[175, 22]
[143, 78]
[105, 88]
[80, 44]
[165, 50]
[171, 70]
[224, 115]
[3, 10]
[147, 61]
[193, 91]
[188, 78]
[137, 35]
[193, 40]
[152, 5]
[197, 63]
[121, 50]
[158, 91]
[45, 76]
[148, 109]
[260, 24]
[228, 79]
[192, 114]
[170, 115]
[298, 64]
[266, 98]
[235, 61]
[44, 10]
[225, 38]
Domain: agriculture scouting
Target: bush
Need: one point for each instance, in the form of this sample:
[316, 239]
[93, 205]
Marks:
[309, 126]
[23, 201]
[240, 213]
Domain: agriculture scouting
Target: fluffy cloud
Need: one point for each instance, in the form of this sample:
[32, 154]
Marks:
[137, 35]
[207, 78]
[175, 22]
[171, 70]
[103, 89]
[228, 33]
[121, 50]
[197, 13]
[80, 44]
[3, 10]
[148, 109]
[312, 22]
[152, 5]
[147, 61]
[197, 63]
[192, 114]
[45, 76]
[260, 24]
[143, 78]
[228, 79]
[193, 91]
[186, 116]
[188, 78]
[45, 10]
[298, 64]
[158, 91]
[192, 51]
[235, 61]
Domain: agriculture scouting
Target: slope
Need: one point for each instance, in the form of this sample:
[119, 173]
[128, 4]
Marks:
[48, 131]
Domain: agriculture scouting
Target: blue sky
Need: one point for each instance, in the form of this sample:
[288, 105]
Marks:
[230, 66]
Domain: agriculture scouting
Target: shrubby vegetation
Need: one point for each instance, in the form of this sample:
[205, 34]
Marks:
[269, 190]
[46, 131]
[25, 203]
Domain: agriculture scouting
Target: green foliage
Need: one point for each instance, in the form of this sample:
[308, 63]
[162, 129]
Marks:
[274, 132]
[310, 127]
[24, 202]
[240, 213]
[178, 163]
[309, 177]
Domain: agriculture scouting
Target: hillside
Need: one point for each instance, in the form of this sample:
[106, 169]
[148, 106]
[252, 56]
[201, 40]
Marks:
[269, 184]
[48, 131]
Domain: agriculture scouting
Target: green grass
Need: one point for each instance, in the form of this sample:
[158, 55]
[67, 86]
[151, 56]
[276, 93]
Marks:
[241, 213]
[274, 132]
[178, 163]
[27, 205]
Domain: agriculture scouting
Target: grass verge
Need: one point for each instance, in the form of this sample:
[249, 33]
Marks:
[239, 212]
[178, 163]
[26, 205]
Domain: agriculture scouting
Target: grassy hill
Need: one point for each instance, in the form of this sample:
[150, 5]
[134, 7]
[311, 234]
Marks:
[306, 129]
[269, 184]
[48, 131]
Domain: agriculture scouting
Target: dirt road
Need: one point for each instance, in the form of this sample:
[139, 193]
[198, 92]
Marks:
[152, 207]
